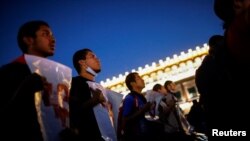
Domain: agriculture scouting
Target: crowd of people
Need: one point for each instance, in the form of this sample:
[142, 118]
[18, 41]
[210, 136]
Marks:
[220, 81]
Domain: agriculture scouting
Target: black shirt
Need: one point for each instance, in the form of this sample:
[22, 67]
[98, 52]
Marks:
[82, 118]
[18, 112]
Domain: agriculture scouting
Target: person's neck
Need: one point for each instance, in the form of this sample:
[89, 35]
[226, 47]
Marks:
[138, 90]
[87, 76]
[36, 54]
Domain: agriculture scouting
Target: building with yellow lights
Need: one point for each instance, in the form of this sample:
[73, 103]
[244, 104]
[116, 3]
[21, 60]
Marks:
[180, 69]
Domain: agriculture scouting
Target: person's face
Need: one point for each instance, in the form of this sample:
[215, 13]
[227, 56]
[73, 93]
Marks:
[93, 62]
[43, 44]
[139, 82]
[162, 90]
[172, 87]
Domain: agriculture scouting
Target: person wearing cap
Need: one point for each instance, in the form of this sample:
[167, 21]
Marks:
[222, 85]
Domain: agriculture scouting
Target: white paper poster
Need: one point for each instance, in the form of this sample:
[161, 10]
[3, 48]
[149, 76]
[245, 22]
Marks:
[107, 117]
[52, 104]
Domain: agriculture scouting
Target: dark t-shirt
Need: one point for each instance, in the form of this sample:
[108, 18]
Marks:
[135, 128]
[18, 113]
[82, 118]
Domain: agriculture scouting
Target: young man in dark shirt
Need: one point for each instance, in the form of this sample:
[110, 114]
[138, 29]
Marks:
[135, 105]
[83, 99]
[18, 84]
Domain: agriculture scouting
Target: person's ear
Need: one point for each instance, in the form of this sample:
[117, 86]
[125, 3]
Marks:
[133, 83]
[82, 63]
[28, 40]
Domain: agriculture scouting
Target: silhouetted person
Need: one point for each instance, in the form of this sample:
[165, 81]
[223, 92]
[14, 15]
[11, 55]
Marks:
[207, 72]
[222, 84]
[196, 117]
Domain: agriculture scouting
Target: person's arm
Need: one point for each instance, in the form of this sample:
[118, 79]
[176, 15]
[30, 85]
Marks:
[26, 90]
[166, 105]
[138, 113]
[31, 84]
[80, 98]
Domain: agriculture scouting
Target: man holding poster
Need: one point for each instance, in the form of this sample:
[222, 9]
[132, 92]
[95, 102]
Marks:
[90, 104]
[18, 84]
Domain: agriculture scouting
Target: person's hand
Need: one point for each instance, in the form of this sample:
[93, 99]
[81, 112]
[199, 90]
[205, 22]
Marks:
[98, 96]
[147, 107]
[32, 83]
[35, 82]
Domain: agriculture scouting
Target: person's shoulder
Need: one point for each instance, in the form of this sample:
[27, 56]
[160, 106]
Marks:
[208, 65]
[16, 63]
[5, 69]
[168, 96]
[5, 66]
[208, 61]
[75, 78]
[78, 79]
[13, 66]
[129, 97]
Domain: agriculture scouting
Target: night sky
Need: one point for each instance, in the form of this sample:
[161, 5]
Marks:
[124, 34]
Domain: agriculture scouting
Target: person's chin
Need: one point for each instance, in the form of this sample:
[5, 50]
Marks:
[50, 54]
[98, 71]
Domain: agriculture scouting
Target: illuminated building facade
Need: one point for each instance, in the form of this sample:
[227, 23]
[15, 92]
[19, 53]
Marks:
[180, 69]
